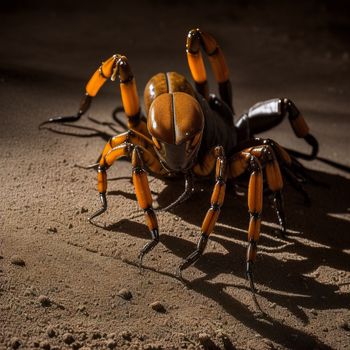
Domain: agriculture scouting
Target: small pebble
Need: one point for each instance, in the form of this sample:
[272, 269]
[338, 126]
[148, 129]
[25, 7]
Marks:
[111, 344]
[44, 300]
[81, 308]
[344, 325]
[70, 226]
[45, 345]
[157, 306]
[15, 343]
[125, 294]
[68, 338]
[204, 338]
[50, 331]
[16, 260]
[84, 210]
[51, 230]
[76, 345]
[126, 335]
[314, 312]
[96, 335]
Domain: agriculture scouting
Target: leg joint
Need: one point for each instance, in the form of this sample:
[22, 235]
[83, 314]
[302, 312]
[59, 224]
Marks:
[155, 235]
[255, 215]
[214, 52]
[268, 153]
[202, 243]
[254, 164]
[193, 41]
[291, 108]
[100, 70]
[215, 206]
[253, 243]
[101, 168]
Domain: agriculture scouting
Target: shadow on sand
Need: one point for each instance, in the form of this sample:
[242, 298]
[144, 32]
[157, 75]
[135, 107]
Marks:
[318, 236]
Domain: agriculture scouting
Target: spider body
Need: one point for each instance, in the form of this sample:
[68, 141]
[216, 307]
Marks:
[182, 124]
[187, 132]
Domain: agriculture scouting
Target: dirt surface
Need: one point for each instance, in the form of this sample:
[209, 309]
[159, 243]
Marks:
[66, 284]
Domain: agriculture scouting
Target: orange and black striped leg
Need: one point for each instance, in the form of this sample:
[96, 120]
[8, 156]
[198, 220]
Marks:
[237, 165]
[106, 161]
[115, 148]
[93, 86]
[118, 147]
[196, 39]
[300, 127]
[288, 167]
[212, 215]
[292, 170]
[275, 184]
[266, 155]
[130, 136]
[196, 63]
[255, 200]
[115, 67]
[144, 198]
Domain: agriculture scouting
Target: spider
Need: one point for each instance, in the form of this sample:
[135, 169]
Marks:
[190, 133]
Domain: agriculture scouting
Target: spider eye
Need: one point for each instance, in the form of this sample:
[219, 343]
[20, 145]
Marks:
[156, 143]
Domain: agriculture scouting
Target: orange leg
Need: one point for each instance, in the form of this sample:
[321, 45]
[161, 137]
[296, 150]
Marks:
[238, 164]
[144, 198]
[255, 201]
[118, 147]
[212, 215]
[270, 154]
[291, 168]
[266, 155]
[116, 66]
[196, 39]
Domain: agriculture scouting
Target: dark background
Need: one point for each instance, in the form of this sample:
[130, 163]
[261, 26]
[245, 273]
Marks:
[274, 48]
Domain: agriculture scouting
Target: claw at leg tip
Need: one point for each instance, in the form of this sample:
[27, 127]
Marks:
[140, 258]
[179, 272]
[249, 274]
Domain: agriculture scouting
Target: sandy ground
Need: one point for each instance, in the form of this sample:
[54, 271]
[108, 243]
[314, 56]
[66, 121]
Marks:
[60, 276]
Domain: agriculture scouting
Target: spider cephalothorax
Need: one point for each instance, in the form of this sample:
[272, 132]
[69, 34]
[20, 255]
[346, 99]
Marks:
[175, 122]
[194, 133]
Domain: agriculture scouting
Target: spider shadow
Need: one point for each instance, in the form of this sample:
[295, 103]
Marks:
[317, 239]
[320, 247]
[85, 131]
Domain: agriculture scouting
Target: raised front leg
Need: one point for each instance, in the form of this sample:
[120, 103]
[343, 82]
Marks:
[115, 67]
[196, 39]
[212, 215]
